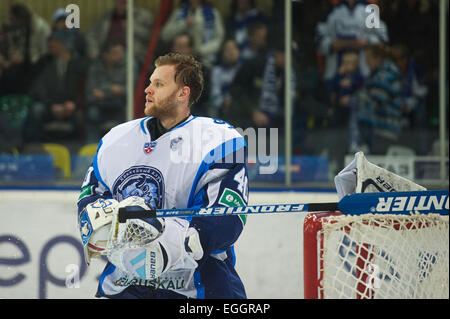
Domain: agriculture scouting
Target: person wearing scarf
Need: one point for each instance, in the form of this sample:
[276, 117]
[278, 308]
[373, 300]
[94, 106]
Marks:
[203, 23]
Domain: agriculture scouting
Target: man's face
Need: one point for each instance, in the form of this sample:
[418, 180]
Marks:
[115, 55]
[230, 52]
[161, 94]
[181, 44]
[258, 38]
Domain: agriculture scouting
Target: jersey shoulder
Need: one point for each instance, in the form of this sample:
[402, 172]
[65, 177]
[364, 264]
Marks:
[125, 129]
[216, 139]
[219, 126]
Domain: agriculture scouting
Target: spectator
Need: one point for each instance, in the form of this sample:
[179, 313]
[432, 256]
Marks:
[184, 43]
[203, 22]
[414, 89]
[424, 30]
[347, 80]
[31, 31]
[256, 41]
[77, 41]
[379, 103]
[112, 26]
[414, 92]
[55, 114]
[59, 23]
[345, 29]
[243, 14]
[22, 43]
[257, 90]
[422, 40]
[343, 86]
[106, 91]
[222, 75]
[14, 70]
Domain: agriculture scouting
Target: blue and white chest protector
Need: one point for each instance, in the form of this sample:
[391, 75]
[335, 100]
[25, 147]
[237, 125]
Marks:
[200, 162]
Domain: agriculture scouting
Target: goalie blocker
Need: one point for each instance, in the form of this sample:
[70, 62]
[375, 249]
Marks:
[94, 223]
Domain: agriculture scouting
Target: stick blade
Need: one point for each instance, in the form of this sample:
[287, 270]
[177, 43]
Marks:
[424, 202]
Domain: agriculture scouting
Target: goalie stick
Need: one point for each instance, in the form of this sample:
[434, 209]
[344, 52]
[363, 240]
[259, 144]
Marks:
[355, 204]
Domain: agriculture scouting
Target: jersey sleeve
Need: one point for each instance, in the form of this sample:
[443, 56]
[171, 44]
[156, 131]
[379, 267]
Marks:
[91, 190]
[226, 185]
[93, 186]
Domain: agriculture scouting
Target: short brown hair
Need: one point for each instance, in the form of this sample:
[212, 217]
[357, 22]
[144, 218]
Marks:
[188, 71]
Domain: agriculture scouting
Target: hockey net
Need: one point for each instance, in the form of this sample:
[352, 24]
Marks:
[376, 256]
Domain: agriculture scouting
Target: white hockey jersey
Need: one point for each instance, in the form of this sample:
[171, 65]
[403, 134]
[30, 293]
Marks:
[171, 167]
[200, 162]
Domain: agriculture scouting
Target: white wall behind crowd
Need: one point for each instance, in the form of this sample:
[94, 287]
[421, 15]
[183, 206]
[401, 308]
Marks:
[41, 253]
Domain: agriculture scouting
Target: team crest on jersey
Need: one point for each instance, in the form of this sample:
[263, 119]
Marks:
[175, 143]
[143, 181]
[149, 146]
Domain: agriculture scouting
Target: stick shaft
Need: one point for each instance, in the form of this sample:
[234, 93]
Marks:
[355, 204]
[136, 212]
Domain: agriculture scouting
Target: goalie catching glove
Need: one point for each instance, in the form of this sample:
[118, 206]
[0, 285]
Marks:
[144, 248]
[178, 247]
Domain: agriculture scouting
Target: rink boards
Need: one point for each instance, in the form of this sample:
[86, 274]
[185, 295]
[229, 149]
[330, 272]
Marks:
[41, 254]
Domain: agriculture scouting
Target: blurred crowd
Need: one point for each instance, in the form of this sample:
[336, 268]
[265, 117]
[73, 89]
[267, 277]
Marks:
[354, 87]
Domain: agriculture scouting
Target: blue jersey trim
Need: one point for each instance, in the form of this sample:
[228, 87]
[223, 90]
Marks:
[143, 126]
[109, 270]
[198, 285]
[96, 170]
[182, 124]
[215, 155]
[218, 251]
[233, 254]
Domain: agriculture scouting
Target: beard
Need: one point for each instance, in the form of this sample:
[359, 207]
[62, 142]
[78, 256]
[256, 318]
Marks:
[165, 108]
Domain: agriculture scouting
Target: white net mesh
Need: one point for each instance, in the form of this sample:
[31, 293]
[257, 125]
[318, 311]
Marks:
[132, 234]
[384, 256]
[137, 233]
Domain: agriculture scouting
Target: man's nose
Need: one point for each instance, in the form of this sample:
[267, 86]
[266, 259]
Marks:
[148, 89]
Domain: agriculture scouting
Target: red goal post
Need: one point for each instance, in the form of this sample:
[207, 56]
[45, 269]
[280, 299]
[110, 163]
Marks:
[375, 256]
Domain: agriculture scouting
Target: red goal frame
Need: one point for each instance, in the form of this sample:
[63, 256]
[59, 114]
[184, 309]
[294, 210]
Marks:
[312, 256]
[313, 251]
[313, 259]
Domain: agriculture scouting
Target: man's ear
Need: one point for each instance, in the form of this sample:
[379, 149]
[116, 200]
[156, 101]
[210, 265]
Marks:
[184, 93]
